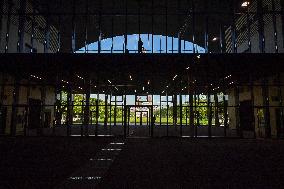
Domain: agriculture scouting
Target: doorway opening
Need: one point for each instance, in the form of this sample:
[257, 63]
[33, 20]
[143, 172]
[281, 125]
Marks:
[138, 121]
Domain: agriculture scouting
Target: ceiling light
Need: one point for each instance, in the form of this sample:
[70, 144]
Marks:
[215, 39]
[65, 81]
[245, 4]
[80, 77]
[148, 82]
[198, 56]
[175, 77]
[109, 81]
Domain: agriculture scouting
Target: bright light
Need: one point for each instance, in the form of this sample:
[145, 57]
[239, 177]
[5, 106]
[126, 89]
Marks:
[109, 81]
[118, 143]
[36, 77]
[187, 68]
[215, 39]
[198, 56]
[101, 159]
[65, 81]
[175, 77]
[111, 149]
[245, 4]
[143, 88]
[80, 77]
[130, 77]
[148, 82]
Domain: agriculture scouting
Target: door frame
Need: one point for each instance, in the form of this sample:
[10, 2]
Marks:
[126, 112]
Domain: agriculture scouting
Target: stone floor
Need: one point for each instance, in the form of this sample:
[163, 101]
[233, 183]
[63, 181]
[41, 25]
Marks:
[43, 162]
[198, 163]
[59, 162]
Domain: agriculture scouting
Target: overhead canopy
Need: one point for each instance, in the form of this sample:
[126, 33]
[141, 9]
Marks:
[84, 19]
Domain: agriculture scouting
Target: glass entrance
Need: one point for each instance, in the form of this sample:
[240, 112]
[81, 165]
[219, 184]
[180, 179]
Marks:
[138, 121]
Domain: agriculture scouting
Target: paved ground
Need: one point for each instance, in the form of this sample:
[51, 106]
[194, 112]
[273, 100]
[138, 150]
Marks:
[37, 162]
[201, 163]
[144, 163]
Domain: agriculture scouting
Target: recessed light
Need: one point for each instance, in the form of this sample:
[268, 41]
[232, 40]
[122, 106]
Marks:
[245, 4]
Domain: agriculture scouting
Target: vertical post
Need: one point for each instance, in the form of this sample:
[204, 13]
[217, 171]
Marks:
[47, 33]
[249, 29]
[139, 18]
[1, 18]
[179, 33]
[125, 117]
[180, 113]
[110, 112]
[174, 100]
[234, 32]
[14, 106]
[193, 26]
[115, 110]
[86, 26]
[21, 28]
[160, 110]
[221, 41]
[206, 39]
[10, 5]
[252, 104]
[152, 121]
[209, 113]
[73, 42]
[217, 123]
[167, 114]
[237, 111]
[166, 26]
[281, 134]
[191, 112]
[282, 20]
[56, 105]
[225, 115]
[275, 27]
[260, 26]
[87, 88]
[152, 26]
[100, 23]
[125, 34]
[97, 117]
[265, 95]
[112, 25]
[42, 109]
[33, 27]
[59, 30]
[69, 110]
[106, 111]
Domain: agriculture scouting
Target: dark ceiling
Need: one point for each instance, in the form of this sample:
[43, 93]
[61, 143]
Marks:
[107, 72]
[111, 17]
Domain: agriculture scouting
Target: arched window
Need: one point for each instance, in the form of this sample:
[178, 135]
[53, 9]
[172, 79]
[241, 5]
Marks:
[151, 44]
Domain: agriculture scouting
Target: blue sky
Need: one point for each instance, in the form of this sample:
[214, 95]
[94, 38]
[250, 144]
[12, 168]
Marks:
[159, 44]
